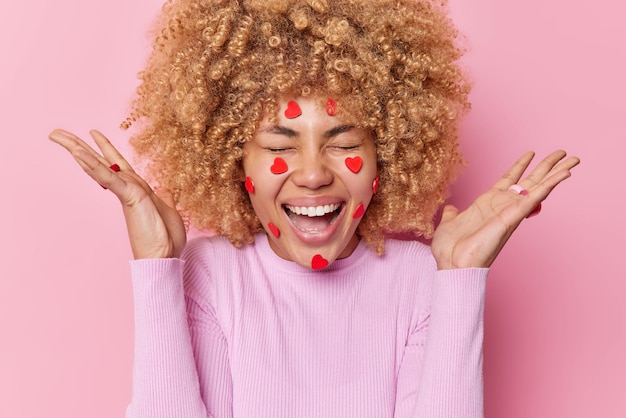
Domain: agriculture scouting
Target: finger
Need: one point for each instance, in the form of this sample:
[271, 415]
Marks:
[514, 173]
[98, 171]
[112, 155]
[71, 142]
[566, 164]
[531, 204]
[551, 179]
[547, 165]
[543, 189]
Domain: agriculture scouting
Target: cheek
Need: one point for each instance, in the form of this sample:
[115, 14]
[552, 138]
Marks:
[360, 183]
[358, 173]
[265, 186]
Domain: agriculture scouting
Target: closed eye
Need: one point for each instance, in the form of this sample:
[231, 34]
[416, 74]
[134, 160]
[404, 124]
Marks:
[274, 149]
[346, 147]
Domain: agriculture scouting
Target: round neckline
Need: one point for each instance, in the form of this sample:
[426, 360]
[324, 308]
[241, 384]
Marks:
[262, 245]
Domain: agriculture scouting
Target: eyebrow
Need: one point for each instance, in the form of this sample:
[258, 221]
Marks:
[290, 133]
[337, 130]
[281, 130]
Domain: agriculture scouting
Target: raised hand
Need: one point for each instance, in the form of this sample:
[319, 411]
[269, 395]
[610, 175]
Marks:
[474, 237]
[155, 227]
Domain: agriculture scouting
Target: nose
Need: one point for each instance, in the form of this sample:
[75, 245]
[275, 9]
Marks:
[312, 172]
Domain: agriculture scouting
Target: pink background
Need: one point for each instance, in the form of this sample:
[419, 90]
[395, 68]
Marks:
[548, 74]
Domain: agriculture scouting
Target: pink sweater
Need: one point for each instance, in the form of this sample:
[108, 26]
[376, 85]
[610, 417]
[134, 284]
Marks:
[242, 333]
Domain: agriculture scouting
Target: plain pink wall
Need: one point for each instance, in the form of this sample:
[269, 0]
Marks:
[548, 74]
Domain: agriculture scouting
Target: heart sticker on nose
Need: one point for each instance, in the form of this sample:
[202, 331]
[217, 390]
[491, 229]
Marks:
[293, 110]
[279, 166]
[249, 185]
[274, 229]
[360, 211]
[354, 164]
[318, 262]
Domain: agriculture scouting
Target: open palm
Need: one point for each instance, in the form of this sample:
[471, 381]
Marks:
[475, 236]
[155, 227]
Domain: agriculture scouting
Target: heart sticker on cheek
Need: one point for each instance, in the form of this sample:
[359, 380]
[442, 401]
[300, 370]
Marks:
[375, 185]
[360, 211]
[249, 185]
[318, 262]
[354, 164]
[279, 166]
[274, 229]
[293, 110]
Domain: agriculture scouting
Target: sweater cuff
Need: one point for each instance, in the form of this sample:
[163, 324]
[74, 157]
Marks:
[471, 273]
[157, 286]
[155, 269]
[461, 287]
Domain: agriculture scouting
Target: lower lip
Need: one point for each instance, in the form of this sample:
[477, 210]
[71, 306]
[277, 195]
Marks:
[317, 236]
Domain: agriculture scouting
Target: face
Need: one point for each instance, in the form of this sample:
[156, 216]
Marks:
[310, 180]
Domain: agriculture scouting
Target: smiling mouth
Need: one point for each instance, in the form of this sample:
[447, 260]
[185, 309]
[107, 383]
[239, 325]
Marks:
[313, 219]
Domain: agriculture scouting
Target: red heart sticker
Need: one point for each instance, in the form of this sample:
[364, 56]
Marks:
[535, 211]
[249, 185]
[360, 211]
[354, 164]
[318, 262]
[331, 107]
[293, 110]
[279, 166]
[274, 229]
[375, 185]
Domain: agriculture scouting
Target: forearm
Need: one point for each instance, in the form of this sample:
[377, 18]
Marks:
[165, 380]
[451, 382]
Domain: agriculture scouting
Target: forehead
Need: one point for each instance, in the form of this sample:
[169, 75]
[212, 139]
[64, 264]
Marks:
[320, 108]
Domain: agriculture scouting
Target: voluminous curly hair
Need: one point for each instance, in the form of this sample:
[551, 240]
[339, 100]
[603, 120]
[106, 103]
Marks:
[218, 66]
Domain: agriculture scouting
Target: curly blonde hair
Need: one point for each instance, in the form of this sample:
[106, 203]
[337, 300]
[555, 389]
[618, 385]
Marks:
[219, 66]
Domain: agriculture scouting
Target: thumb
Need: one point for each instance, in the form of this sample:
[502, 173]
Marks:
[166, 196]
[449, 212]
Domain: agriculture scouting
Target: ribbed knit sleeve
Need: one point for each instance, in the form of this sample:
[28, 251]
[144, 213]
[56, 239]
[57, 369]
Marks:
[451, 377]
[165, 380]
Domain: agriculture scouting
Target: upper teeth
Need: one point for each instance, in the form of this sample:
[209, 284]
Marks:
[314, 210]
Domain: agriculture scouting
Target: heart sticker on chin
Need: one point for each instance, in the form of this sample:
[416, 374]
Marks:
[279, 166]
[354, 164]
[274, 229]
[249, 185]
[293, 110]
[318, 262]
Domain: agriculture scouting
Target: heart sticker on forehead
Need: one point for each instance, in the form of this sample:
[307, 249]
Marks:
[331, 107]
[354, 164]
[318, 262]
[279, 166]
[293, 110]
